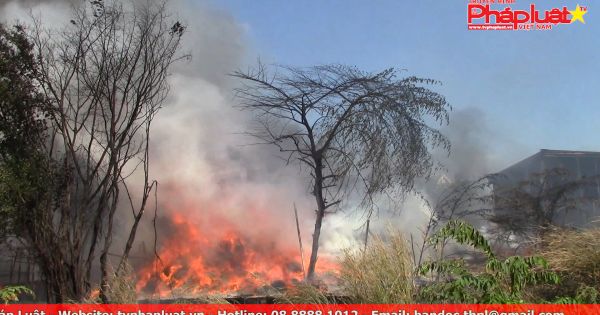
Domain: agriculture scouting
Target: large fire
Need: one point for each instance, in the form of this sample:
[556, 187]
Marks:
[209, 253]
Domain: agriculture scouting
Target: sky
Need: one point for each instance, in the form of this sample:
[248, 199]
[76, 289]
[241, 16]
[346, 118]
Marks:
[534, 89]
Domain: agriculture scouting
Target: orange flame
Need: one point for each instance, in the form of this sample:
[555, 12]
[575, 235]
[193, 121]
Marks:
[212, 254]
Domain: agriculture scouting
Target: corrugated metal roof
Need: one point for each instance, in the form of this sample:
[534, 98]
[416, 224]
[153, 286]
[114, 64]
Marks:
[547, 152]
[543, 153]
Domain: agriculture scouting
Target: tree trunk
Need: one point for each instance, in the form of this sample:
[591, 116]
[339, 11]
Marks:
[104, 286]
[104, 264]
[58, 284]
[321, 206]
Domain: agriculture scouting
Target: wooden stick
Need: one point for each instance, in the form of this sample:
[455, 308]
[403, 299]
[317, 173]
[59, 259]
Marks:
[367, 233]
[300, 241]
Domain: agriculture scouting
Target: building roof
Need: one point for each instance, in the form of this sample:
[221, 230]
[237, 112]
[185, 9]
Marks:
[578, 163]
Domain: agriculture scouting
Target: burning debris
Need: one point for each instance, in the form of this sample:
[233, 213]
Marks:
[215, 255]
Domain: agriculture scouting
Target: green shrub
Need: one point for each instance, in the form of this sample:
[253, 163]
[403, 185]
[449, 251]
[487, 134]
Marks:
[584, 295]
[502, 281]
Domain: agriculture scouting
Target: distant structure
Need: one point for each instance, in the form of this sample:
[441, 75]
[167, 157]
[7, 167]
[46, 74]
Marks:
[17, 267]
[562, 185]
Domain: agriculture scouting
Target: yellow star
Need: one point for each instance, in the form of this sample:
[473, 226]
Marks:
[577, 14]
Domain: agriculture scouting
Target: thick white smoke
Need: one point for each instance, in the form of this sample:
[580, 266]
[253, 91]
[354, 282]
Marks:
[471, 157]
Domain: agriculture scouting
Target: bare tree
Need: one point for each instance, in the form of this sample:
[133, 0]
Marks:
[356, 133]
[105, 75]
[465, 200]
[528, 207]
[513, 213]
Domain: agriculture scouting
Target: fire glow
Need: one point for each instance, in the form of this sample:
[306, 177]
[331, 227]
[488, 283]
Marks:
[209, 253]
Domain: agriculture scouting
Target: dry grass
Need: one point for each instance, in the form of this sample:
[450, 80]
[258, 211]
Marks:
[121, 287]
[575, 256]
[382, 273]
[303, 293]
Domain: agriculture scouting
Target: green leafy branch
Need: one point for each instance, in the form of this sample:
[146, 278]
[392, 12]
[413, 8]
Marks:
[11, 293]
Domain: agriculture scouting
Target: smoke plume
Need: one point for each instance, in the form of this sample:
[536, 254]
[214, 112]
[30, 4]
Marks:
[471, 156]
